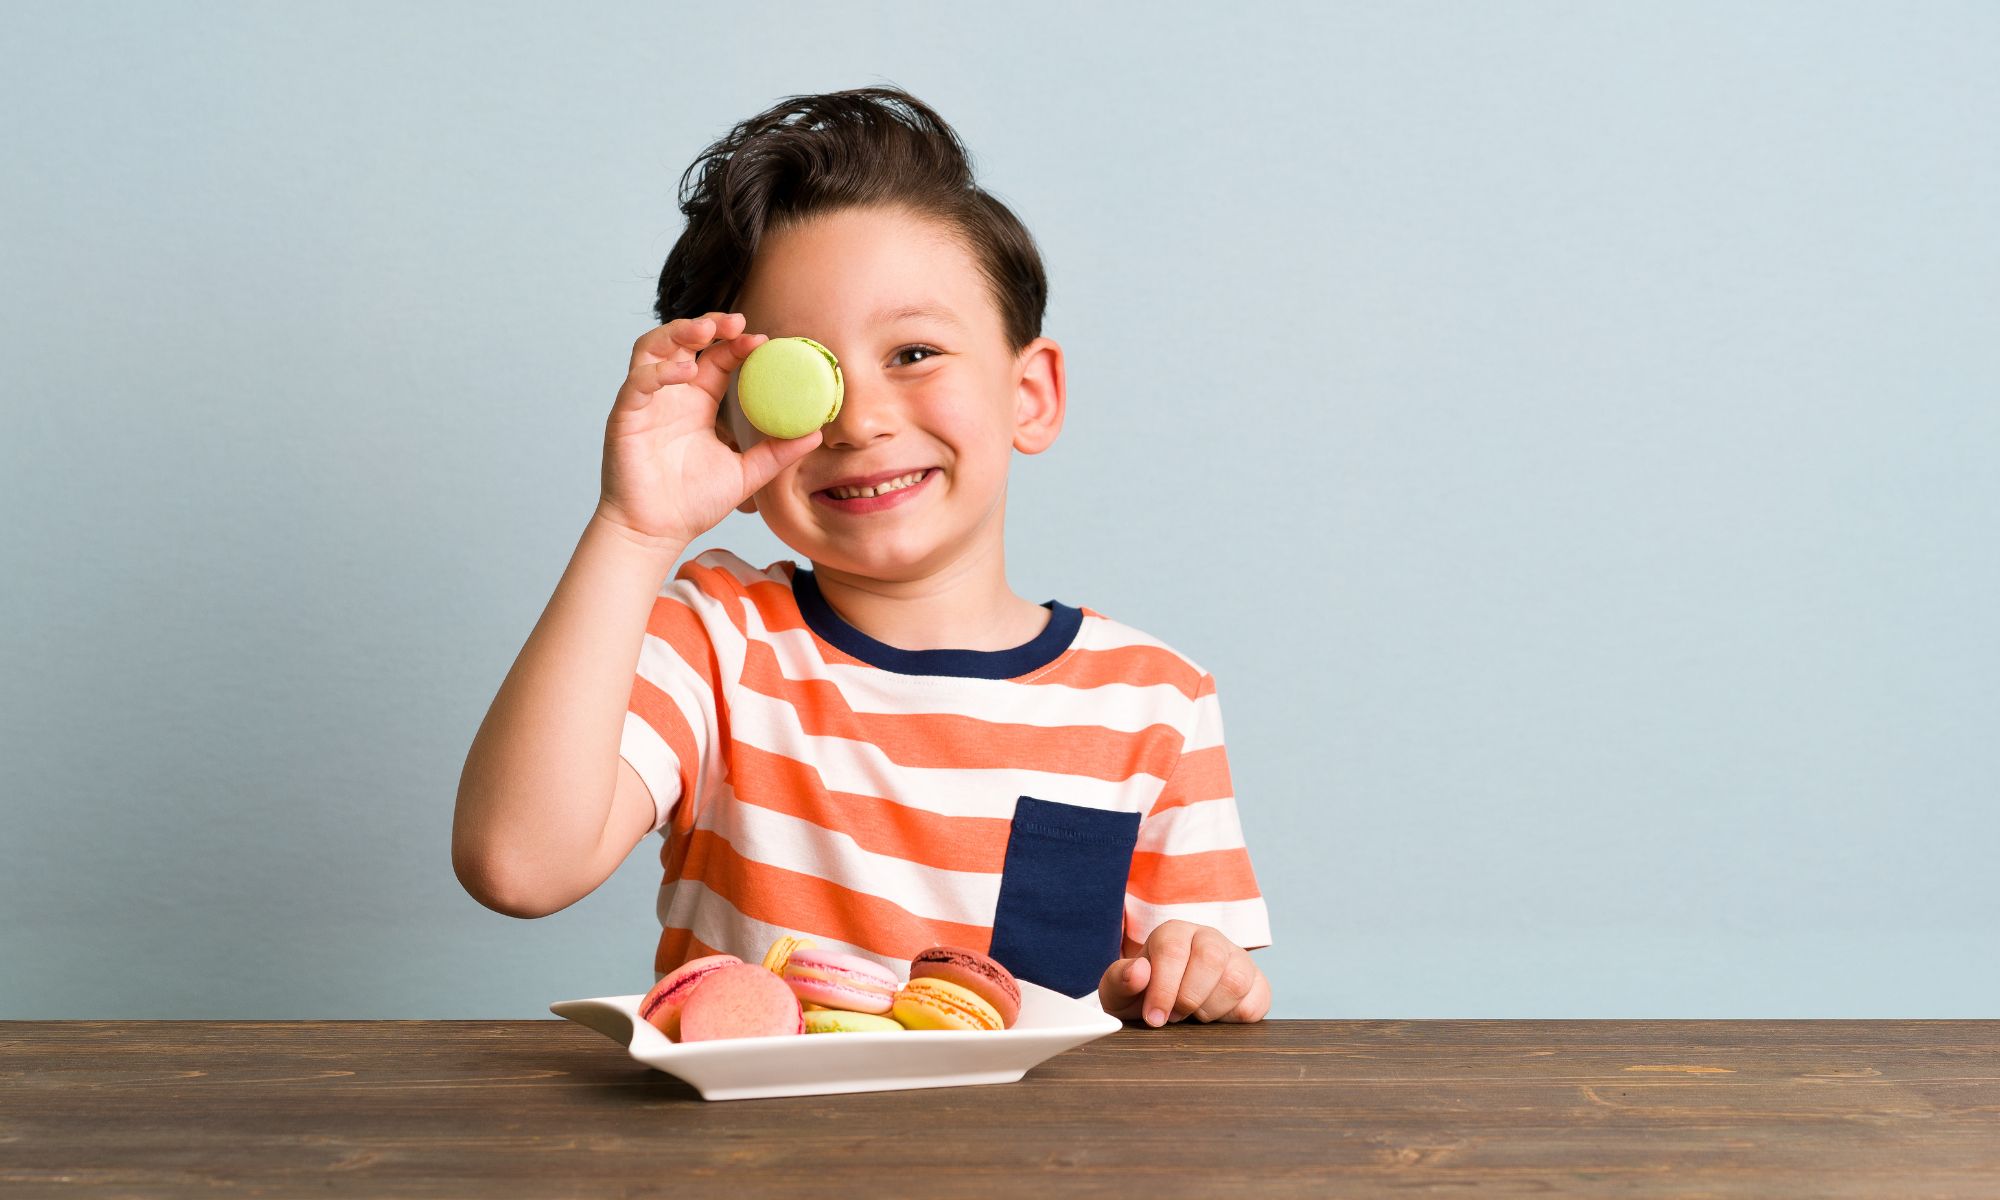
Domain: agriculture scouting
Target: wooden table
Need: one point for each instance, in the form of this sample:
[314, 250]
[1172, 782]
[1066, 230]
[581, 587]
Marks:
[1309, 1108]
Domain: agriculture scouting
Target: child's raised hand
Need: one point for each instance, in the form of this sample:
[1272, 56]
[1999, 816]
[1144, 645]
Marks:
[667, 477]
[1185, 970]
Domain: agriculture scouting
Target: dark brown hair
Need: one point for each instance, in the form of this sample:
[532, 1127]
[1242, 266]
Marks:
[814, 154]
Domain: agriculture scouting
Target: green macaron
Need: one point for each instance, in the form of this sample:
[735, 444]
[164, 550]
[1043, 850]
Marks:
[789, 387]
[829, 1020]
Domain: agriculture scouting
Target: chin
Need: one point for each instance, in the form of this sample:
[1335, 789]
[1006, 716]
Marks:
[889, 563]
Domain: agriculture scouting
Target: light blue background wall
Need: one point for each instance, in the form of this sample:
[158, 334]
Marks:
[1568, 431]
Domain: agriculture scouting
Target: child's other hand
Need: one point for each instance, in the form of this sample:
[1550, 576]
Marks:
[1185, 970]
[667, 476]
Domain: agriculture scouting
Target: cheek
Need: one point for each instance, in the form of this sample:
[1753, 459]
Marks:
[977, 427]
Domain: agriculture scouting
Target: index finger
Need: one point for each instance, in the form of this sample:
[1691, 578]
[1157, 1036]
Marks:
[1170, 960]
[682, 337]
[717, 363]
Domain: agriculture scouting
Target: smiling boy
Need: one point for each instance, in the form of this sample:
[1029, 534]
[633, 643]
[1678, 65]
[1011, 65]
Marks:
[890, 748]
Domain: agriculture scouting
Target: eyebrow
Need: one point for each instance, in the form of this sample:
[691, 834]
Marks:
[936, 312]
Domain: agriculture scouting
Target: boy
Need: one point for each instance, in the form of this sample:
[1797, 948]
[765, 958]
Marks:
[889, 749]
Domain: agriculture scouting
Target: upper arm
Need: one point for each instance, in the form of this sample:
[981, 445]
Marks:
[630, 820]
[633, 813]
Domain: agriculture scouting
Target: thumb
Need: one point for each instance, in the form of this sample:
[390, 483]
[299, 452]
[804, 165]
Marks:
[1124, 986]
[763, 461]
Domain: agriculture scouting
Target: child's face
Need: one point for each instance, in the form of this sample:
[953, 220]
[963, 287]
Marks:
[921, 392]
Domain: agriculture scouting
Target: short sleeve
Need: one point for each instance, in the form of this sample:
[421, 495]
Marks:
[670, 718]
[1190, 863]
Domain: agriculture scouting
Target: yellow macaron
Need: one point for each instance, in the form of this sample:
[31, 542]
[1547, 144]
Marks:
[780, 953]
[937, 1004]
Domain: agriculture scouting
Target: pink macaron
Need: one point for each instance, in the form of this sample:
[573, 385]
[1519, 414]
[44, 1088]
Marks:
[844, 981]
[738, 1002]
[661, 1007]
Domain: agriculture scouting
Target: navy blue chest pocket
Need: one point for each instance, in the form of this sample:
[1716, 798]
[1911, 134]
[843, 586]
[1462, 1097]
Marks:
[1061, 916]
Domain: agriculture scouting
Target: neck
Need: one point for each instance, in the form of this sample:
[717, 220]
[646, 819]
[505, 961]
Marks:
[964, 605]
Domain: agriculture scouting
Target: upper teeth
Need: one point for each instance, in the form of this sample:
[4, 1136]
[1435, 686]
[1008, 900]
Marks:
[889, 485]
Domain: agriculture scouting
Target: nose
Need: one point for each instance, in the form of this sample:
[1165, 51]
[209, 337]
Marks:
[865, 415]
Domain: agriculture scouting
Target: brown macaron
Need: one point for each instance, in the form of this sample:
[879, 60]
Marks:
[977, 973]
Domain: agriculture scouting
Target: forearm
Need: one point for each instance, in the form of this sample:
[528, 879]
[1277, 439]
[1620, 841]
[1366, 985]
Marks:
[536, 791]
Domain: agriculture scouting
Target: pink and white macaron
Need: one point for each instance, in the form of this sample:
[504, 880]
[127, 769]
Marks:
[844, 981]
[661, 1007]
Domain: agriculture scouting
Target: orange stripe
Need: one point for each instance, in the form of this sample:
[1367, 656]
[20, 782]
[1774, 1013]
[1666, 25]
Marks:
[1202, 775]
[678, 947]
[658, 710]
[674, 851]
[1139, 665]
[674, 623]
[794, 900]
[1211, 875]
[719, 585]
[694, 855]
[786, 785]
[956, 741]
[672, 950]
[777, 606]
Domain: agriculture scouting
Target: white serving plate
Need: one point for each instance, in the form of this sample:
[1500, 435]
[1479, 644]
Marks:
[818, 1064]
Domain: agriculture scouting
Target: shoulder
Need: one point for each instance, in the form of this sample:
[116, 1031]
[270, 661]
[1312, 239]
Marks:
[723, 589]
[1134, 656]
[717, 574]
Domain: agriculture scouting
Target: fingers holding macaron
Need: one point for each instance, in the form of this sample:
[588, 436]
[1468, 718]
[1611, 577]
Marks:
[704, 351]
[665, 354]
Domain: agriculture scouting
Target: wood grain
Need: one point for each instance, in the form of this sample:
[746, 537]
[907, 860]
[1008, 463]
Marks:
[1280, 1108]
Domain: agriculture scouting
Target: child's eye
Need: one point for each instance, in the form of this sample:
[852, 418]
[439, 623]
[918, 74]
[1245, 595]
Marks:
[915, 350]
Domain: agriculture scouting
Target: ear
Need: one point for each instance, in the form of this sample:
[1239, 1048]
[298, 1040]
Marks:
[1038, 396]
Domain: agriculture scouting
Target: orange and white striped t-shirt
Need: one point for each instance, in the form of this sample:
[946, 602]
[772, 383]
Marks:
[1035, 803]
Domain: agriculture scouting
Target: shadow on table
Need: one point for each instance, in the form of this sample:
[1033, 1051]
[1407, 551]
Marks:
[641, 1085]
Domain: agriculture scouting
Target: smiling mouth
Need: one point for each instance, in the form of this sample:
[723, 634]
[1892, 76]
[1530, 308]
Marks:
[886, 487]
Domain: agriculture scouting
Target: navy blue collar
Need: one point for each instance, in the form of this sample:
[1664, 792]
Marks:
[1043, 649]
